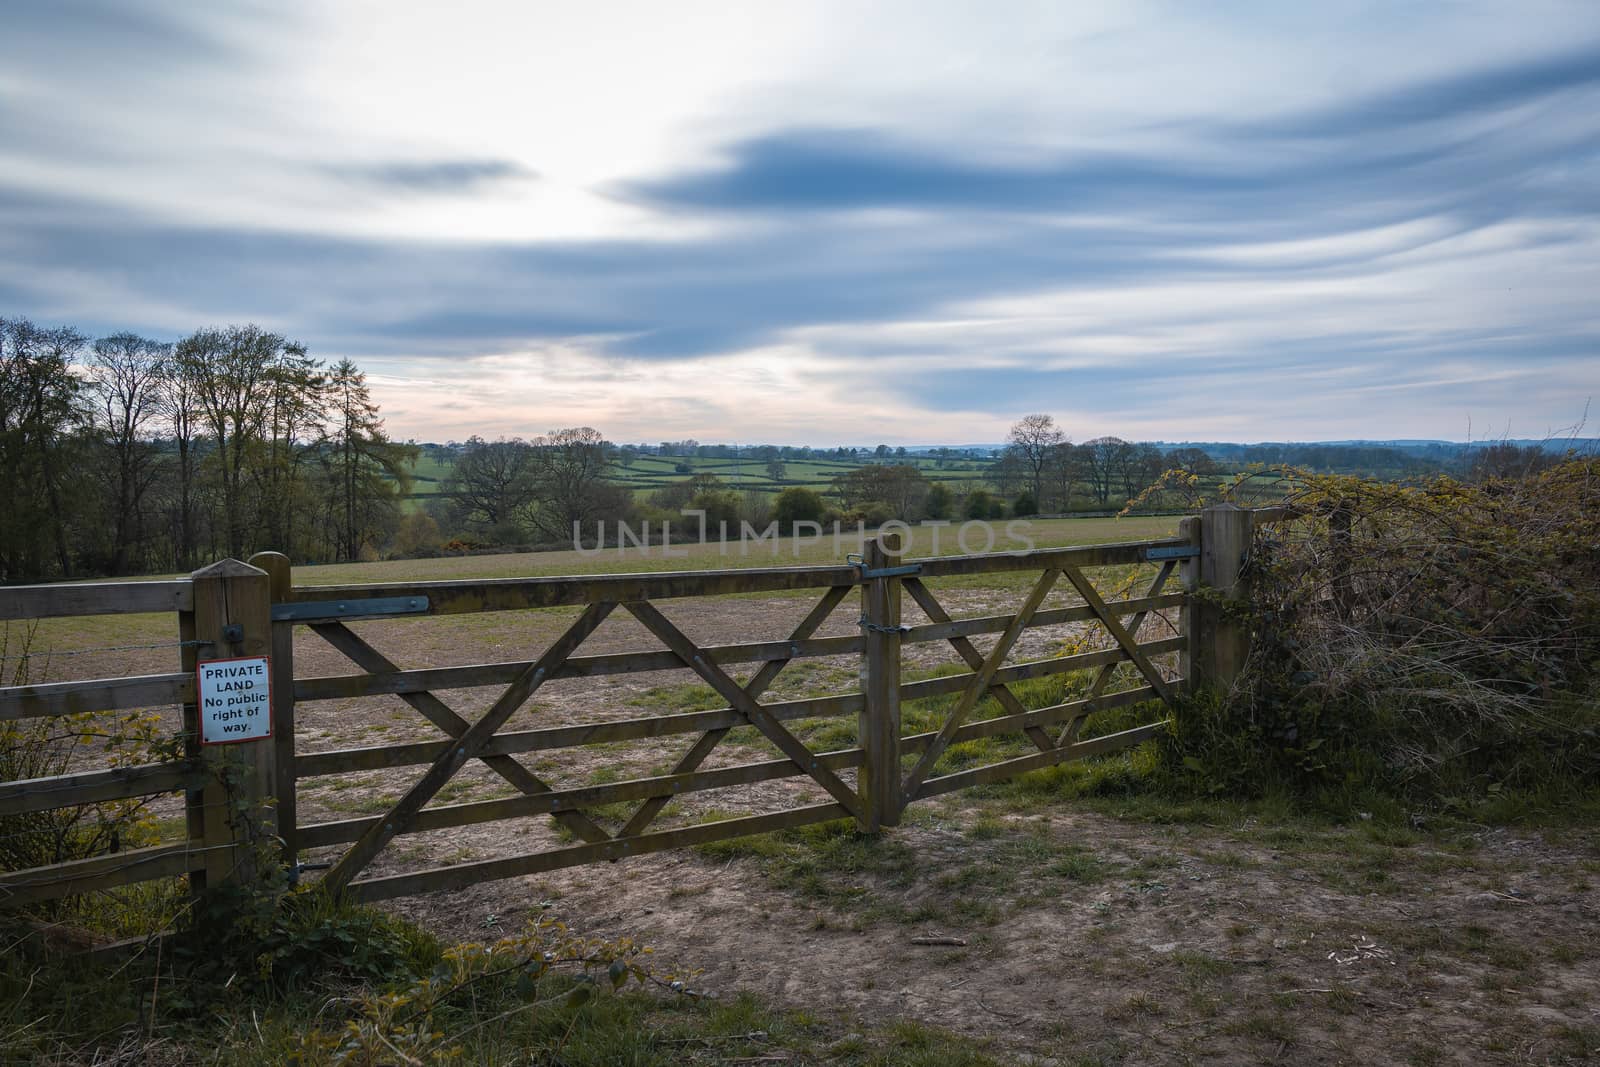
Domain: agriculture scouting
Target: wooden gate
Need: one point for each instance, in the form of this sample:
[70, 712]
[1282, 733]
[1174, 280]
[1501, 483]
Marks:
[870, 780]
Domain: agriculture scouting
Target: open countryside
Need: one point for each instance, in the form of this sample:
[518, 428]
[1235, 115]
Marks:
[871, 536]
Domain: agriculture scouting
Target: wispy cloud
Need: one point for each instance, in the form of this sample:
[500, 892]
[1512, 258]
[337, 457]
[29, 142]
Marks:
[1238, 233]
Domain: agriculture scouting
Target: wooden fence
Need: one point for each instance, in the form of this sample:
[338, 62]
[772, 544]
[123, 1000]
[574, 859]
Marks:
[234, 609]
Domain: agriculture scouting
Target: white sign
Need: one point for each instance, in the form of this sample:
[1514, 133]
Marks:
[235, 700]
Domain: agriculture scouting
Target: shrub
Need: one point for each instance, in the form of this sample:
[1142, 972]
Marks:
[797, 504]
[1440, 641]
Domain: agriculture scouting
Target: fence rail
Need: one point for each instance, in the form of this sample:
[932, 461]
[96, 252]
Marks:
[234, 609]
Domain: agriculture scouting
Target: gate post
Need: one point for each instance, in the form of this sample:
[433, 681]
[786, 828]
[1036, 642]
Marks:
[280, 580]
[878, 783]
[232, 618]
[1219, 643]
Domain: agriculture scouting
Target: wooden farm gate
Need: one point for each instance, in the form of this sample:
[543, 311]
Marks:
[233, 609]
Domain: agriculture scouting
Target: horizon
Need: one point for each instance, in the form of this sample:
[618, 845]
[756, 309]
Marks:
[796, 221]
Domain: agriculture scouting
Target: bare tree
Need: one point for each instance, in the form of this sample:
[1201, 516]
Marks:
[231, 374]
[1030, 443]
[570, 484]
[127, 372]
[492, 482]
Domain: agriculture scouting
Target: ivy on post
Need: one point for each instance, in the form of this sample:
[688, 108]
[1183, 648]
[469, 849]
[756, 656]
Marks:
[1220, 639]
[878, 782]
[232, 620]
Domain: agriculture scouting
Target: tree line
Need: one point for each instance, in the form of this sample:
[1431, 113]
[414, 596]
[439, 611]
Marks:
[127, 455]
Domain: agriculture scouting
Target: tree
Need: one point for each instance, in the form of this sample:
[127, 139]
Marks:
[939, 503]
[797, 504]
[569, 482]
[1063, 470]
[1103, 460]
[720, 506]
[369, 473]
[776, 470]
[231, 374]
[902, 487]
[493, 481]
[178, 410]
[127, 371]
[1030, 443]
[41, 408]
[1191, 461]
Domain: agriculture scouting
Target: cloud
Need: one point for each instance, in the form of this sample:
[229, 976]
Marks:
[454, 176]
[918, 250]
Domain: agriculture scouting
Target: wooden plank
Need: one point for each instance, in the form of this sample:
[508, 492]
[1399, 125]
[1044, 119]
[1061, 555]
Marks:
[757, 685]
[93, 787]
[445, 718]
[97, 694]
[944, 631]
[467, 874]
[467, 746]
[514, 594]
[1108, 555]
[729, 690]
[974, 659]
[996, 772]
[434, 679]
[671, 785]
[1282, 513]
[1038, 668]
[379, 757]
[20, 888]
[94, 598]
[1041, 717]
[1118, 632]
[510, 594]
[980, 682]
[1069, 733]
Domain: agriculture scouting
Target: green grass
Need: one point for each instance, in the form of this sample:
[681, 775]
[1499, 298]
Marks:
[61, 1008]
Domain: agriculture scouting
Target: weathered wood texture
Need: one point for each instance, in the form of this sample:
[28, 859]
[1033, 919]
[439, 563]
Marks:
[94, 598]
[878, 723]
[1220, 640]
[232, 592]
[98, 694]
[94, 787]
[20, 888]
[232, 817]
[280, 580]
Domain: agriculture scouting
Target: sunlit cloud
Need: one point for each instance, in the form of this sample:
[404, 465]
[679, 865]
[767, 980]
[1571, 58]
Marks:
[833, 222]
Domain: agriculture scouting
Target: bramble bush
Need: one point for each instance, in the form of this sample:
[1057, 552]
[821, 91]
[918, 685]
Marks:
[1437, 642]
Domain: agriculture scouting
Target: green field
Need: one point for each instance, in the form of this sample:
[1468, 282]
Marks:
[645, 474]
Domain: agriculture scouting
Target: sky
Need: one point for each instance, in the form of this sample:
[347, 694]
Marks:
[826, 223]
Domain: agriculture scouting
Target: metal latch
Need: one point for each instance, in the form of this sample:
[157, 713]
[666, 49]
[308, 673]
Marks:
[862, 572]
[309, 610]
